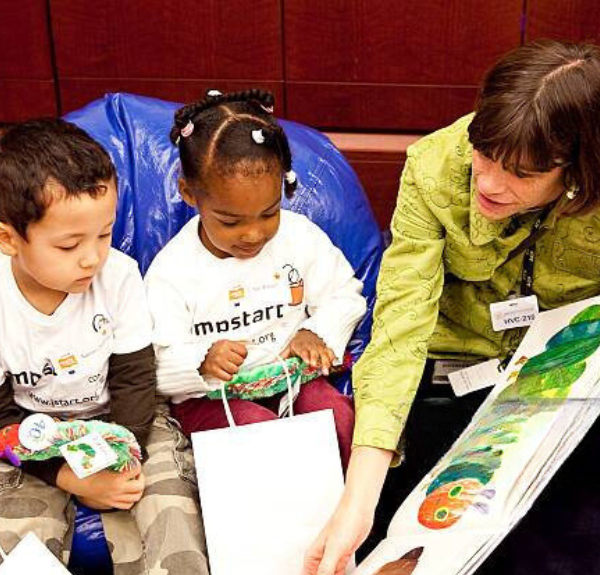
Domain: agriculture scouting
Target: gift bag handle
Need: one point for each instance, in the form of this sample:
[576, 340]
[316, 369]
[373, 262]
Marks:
[288, 379]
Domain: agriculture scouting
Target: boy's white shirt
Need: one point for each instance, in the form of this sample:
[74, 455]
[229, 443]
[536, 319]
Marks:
[111, 316]
[299, 280]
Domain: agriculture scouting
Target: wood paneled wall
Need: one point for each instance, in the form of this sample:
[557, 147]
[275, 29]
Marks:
[172, 50]
[27, 86]
[389, 65]
[369, 67]
[572, 20]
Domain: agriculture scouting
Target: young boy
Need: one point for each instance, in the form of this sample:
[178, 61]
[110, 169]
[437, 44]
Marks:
[64, 293]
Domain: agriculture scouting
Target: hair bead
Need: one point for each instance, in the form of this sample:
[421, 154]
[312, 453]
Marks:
[258, 136]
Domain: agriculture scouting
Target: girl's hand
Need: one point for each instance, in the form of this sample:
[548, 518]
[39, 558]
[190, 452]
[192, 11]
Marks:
[105, 489]
[310, 348]
[224, 359]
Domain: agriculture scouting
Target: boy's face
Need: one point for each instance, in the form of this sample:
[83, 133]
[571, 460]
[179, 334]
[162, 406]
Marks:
[67, 247]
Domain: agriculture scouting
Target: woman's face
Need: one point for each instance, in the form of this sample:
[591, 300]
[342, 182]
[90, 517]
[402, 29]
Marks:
[501, 194]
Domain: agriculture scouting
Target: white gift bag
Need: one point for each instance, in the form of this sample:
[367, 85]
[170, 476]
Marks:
[31, 556]
[266, 490]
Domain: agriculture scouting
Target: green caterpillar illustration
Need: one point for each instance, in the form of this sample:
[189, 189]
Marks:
[541, 385]
[88, 454]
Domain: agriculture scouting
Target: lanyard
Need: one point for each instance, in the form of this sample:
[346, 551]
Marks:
[528, 246]
[529, 258]
[527, 274]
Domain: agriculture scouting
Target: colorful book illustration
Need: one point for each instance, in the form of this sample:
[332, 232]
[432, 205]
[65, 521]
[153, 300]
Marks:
[531, 421]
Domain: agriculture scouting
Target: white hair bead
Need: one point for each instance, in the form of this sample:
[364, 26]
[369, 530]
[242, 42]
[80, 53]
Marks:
[258, 136]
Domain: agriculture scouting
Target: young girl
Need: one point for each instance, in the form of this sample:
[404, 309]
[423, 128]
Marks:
[246, 282]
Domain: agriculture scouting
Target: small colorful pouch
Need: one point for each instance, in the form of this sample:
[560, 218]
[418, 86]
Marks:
[121, 440]
[267, 380]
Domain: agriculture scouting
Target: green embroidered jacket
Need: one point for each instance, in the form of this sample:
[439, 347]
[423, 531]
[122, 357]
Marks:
[445, 265]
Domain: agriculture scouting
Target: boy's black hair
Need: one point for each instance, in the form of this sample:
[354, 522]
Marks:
[222, 139]
[38, 151]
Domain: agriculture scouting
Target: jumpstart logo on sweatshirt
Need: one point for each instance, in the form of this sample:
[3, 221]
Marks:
[244, 319]
[266, 294]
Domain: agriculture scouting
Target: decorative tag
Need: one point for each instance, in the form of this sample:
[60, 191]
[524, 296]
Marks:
[518, 312]
[88, 455]
[36, 432]
[476, 377]
[31, 556]
[68, 366]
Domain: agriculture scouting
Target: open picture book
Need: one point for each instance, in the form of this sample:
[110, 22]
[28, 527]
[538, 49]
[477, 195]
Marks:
[543, 405]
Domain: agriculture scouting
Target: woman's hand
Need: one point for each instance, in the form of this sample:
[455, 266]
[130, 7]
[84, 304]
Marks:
[224, 359]
[309, 347]
[339, 540]
[105, 489]
[353, 518]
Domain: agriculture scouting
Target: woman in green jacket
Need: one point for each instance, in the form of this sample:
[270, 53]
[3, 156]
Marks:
[501, 204]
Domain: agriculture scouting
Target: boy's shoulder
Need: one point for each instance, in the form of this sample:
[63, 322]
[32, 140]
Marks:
[119, 264]
[119, 267]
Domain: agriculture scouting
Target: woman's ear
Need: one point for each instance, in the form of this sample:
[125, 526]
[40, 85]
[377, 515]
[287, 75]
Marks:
[8, 240]
[186, 193]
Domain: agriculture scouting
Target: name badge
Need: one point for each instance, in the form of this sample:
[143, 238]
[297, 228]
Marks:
[275, 292]
[518, 312]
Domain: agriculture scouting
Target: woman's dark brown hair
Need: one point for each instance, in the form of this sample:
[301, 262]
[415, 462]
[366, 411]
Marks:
[539, 108]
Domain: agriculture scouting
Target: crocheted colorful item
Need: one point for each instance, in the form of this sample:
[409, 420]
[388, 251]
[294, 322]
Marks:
[121, 440]
[268, 380]
[9, 439]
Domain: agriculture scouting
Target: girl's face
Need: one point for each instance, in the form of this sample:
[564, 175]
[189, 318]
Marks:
[239, 213]
[501, 194]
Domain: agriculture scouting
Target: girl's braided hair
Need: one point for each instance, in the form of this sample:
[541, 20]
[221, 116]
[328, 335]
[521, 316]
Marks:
[232, 133]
